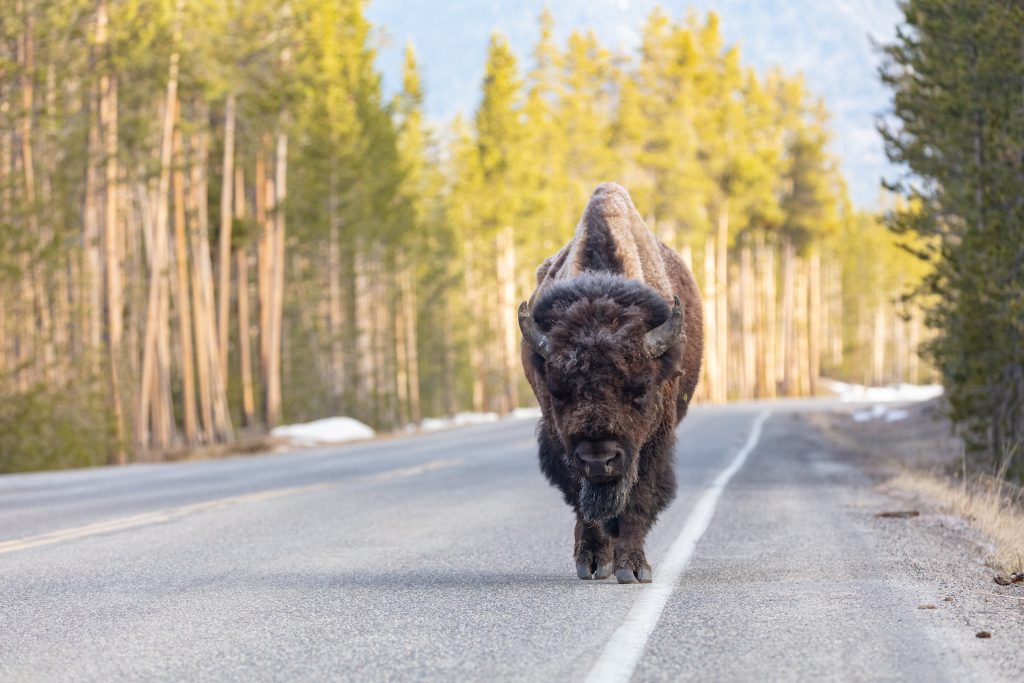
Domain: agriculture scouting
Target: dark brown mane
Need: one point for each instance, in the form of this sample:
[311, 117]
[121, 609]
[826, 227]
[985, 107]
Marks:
[596, 286]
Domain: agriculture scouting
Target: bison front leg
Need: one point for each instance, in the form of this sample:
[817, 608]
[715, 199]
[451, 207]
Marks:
[593, 552]
[631, 564]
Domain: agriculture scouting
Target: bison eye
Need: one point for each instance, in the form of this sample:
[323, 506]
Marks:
[637, 391]
[558, 392]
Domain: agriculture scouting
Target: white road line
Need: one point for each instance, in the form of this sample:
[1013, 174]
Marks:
[168, 514]
[623, 651]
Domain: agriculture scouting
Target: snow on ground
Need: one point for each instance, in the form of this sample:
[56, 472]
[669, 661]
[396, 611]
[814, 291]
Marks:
[524, 413]
[894, 393]
[433, 424]
[326, 431]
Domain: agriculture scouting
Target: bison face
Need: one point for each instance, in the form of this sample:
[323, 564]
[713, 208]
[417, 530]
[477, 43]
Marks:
[602, 367]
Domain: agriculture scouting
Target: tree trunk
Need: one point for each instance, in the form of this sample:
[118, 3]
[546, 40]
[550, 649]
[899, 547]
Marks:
[224, 239]
[184, 307]
[787, 332]
[711, 331]
[878, 345]
[722, 301]
[748, 304]
[508, 335]
[335, 310]
[158, 261]
[244, 342]
[814, 321]
[112, 241]
[409, 321]
[767, 384]
[914, 359]
[475, 339]
[273, 388]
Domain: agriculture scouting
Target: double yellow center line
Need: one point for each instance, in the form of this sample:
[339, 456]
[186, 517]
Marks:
[168, 514]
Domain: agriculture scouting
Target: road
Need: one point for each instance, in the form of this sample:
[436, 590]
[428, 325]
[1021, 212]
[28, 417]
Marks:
[447, 557]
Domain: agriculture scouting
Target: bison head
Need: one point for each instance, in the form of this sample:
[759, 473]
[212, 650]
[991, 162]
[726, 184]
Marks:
[604, 348]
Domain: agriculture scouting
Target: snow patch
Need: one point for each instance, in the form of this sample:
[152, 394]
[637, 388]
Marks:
[327, 431]
[525, 413]
[433, 424]
[894, 393]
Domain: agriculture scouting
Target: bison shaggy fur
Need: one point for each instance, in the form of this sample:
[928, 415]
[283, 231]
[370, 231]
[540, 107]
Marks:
[612, 344]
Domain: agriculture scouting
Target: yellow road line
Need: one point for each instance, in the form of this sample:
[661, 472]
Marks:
[134, 521]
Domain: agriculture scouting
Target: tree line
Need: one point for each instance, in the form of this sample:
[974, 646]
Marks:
[213, 220]
[956, 71]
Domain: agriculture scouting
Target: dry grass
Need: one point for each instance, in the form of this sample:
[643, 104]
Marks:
[990, 506]
[922, 455]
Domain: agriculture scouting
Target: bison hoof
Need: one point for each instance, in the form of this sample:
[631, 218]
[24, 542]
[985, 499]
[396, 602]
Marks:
[627, 575]
[583, 571]
[604, 570]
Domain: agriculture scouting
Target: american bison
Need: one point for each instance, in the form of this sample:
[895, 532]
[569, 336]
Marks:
[612, 342]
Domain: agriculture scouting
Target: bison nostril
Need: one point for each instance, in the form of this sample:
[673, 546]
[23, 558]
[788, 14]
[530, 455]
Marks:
[599, 457]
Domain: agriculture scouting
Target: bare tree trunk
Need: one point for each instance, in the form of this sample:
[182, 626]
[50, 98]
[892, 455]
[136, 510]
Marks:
[264, 190]
[184, 307]
[158, 260]
[711, 330]
[914, 359]
[273, 403]
[224, 239]
[878, 345]
[365, 360]
[401, 350]
[801, 369]
[202, 262]
[767, 382]
[92, 263]
[787, 337]
[814, 329]
[244, 344]
[836, 314]
[722, 301]
[509, 339]
[899, 356]
[335, 309]
[112, 241]
[748, 304]
[473, 330]
[412, 353]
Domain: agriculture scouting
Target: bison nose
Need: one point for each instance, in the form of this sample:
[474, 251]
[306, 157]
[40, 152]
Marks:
[598, 457]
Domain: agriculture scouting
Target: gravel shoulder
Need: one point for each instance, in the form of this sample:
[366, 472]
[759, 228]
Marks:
[942, 555]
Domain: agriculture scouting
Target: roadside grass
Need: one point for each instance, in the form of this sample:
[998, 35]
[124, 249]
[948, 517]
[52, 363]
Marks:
[991, 506]
[920, 454]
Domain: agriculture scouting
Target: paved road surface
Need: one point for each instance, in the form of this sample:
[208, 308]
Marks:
[447, 556]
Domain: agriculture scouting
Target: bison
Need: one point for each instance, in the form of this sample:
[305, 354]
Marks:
[612, 343]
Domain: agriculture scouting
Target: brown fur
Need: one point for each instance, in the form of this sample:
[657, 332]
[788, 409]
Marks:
[598, 389]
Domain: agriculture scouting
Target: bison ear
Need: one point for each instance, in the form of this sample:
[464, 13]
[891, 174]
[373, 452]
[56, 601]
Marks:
[658, 340]
[537, 340]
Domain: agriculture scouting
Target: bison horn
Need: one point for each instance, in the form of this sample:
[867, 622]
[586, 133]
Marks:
[666, 334]
[531, 333]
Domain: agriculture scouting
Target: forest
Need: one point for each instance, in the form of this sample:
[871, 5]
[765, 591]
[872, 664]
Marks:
[213, 221]
[956, 71]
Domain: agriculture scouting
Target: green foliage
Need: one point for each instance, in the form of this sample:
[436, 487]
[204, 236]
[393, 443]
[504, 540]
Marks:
[48, 427]
[958, 128]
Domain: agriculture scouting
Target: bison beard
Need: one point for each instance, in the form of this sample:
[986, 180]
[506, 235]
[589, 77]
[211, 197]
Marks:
[612, 342]
[601, 501]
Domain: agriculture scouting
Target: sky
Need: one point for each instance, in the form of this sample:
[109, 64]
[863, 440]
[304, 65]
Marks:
[829, 41]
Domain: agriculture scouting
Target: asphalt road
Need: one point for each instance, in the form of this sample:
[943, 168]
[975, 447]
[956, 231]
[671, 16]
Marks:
[447, 557]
